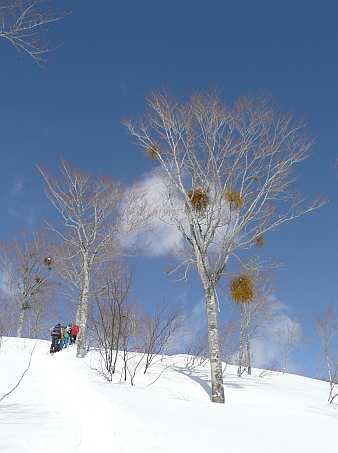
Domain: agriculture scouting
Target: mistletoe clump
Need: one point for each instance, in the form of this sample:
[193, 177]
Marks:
[234, 198]
[153, 151]
[242, 289]
[199, 199]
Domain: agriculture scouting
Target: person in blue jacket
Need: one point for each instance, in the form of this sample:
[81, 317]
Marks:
[66, 336]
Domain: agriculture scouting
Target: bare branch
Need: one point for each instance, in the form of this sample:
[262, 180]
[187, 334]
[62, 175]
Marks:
[23, 23]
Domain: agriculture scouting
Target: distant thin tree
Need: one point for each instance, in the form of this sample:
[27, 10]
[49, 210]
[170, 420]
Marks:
[158, 331]
[109, 314]
[227, 175]
[254, 316]
[326, 325]
[288, 333]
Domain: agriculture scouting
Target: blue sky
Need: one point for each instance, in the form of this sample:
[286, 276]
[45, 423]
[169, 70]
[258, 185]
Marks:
[112, 57]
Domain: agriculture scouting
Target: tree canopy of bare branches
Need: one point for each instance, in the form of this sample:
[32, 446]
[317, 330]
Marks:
[228, 177]
[23, 23]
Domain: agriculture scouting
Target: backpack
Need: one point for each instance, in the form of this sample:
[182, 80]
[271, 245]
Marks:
[56, 331]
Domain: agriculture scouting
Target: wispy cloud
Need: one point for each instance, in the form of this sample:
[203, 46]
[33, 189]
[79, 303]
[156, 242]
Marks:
[268, 349]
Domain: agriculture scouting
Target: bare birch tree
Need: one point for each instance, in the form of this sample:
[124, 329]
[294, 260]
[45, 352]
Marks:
[327, 328]
[289, 335]
[254, 316]
[158, 330]
[95, 213]
[129, 347]
[109, 315]
[227, 177]
[27, 273]
[24, 23]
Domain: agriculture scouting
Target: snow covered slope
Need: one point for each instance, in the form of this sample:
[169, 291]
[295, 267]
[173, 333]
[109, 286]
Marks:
[63, 405]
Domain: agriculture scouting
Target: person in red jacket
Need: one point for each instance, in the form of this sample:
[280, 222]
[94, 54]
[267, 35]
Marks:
[74, 333]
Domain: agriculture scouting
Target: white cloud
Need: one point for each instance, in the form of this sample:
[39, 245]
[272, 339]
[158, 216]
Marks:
[268, 349]
[159, 237]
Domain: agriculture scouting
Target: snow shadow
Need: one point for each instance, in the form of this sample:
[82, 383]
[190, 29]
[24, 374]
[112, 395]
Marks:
[195, 376]
[203, 380]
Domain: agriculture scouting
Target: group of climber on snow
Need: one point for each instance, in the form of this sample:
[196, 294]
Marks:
[63, 336]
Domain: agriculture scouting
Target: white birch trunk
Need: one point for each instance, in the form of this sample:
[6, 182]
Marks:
[78, 313]
[82, 313]
[21, 323]
[247, 338]
[241, 345]
[331, 379]
[248, 355]
[244, 358]
[217, 389]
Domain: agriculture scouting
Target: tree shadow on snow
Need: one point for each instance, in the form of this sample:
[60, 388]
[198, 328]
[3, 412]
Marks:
[203, 380]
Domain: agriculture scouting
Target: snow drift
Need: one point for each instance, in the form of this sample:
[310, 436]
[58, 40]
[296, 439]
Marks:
[64, 405]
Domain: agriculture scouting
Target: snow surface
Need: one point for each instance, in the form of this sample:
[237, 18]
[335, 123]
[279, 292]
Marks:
[64, 405]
